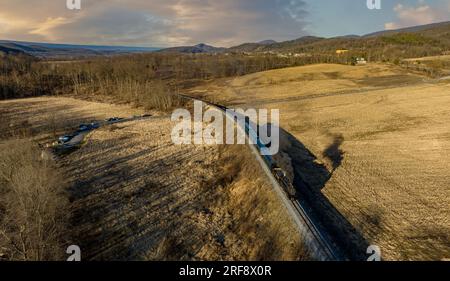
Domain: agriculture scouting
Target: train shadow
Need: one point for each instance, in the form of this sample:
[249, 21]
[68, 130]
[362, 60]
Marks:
[310, 177]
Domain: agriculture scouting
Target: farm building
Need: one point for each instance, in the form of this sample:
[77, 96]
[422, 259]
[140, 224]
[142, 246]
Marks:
[342, 51]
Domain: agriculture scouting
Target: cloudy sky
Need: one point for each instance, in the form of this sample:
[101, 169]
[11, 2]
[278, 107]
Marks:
[163, 23]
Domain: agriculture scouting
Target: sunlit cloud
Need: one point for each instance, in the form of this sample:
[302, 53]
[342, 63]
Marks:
[418, 15]
[8, 24]
[45, 28]
[178, 22]
[156, 22]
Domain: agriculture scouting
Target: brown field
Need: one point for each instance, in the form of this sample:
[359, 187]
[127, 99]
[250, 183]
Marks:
[437, 65]
[134, 195]
[371, 143]
[431, 58]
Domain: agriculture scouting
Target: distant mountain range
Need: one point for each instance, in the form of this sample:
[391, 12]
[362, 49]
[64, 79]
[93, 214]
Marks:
[200, 48]
[437, 31]
[47, 50]
[267, 42]
[413, 29]
[436, 35]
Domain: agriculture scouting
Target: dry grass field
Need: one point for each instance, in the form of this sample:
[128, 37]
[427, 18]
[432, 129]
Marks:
[439, 65]
[370, 148]
[134, 195]
[48, 117]
[290, 84]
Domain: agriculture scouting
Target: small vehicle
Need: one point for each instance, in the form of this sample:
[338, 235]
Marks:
[84, 128]
[64, 139]
[113, 120]
[95, 125]
[88, 127]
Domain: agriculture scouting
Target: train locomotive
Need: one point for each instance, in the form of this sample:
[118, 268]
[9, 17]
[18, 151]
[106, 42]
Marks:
[277, 172]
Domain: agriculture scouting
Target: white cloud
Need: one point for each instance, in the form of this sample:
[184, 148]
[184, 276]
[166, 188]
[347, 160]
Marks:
[418, 15]
[154, 22]
[44, 28]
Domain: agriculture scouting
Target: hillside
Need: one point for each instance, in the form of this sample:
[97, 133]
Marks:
[267, 42]
[10, 49]
[197, 49]
[135, 195]
[275, 46]
[370, 149]
[419, 28]
[391, 45]
[66, 51]
[426, 40]
[421, 41]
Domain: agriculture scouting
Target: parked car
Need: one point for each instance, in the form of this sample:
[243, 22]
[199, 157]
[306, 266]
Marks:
[95, 125]
[84, 128]
[88, 127]
[65, 138]
[113, 120]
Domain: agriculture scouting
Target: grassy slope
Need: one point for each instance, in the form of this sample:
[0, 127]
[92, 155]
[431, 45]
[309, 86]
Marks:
[135, 195]
[382, 143]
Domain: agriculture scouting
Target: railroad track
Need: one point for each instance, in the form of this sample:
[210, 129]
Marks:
[318, 245]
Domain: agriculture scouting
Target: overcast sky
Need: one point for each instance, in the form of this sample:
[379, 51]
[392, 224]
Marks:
[163, 23]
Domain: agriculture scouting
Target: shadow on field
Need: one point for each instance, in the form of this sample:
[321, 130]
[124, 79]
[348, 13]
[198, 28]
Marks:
[310, 177]
[334, 152]
[122, 210]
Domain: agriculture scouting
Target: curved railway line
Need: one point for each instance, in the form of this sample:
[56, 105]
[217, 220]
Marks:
[319, 247]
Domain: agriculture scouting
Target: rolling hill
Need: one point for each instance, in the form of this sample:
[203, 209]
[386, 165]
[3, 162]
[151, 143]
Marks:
[48, 50]
[424, 40]
[421, 40]
[197, 49]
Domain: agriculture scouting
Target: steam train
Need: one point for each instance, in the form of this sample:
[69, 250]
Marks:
[278, 173]
[283, 180]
